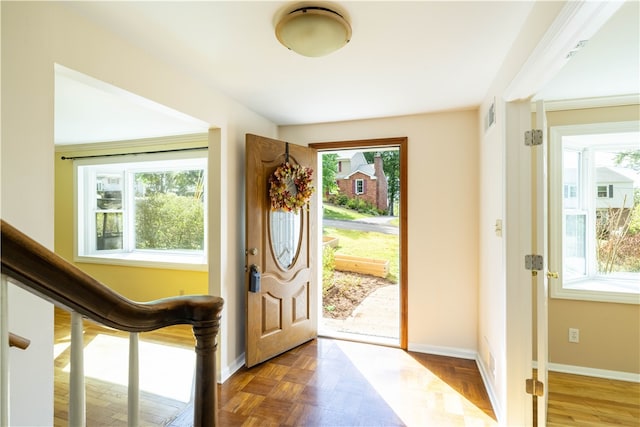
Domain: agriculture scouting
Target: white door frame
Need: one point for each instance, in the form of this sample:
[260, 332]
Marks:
[518, 320]
[576, 21]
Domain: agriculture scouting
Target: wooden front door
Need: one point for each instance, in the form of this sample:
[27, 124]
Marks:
[281, 248]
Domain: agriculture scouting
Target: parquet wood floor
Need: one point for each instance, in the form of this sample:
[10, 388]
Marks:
[338, 383]
[321, 383]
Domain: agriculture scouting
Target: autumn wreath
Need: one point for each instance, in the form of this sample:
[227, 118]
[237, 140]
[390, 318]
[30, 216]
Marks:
[290, 187]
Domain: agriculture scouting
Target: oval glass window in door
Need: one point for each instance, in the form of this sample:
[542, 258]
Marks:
[285, 229]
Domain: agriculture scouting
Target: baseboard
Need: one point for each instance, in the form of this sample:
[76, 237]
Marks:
[593, 372]
[231, 369]
[461, 353]
[491, 390]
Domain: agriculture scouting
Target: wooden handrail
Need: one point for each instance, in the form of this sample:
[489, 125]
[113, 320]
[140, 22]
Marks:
[42, 272]
[18, 341]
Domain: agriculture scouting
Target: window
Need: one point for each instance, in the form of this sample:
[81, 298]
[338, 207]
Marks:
[359, 186]
[605, 191]
[599, 218]
[147, 211]
[570, 191]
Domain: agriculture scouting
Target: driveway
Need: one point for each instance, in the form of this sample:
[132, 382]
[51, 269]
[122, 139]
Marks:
[376, 224]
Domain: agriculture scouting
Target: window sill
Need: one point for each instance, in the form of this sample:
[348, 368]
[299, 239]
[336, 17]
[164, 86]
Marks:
[614, 290]
[149, 259]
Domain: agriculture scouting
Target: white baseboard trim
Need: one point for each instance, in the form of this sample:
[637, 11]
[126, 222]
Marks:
[231, 369]
[461, 353]
[592, 372]
[491, 391]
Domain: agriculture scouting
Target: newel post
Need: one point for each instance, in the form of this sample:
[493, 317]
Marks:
[205, 408]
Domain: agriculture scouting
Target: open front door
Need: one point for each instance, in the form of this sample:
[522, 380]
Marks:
[281, 255]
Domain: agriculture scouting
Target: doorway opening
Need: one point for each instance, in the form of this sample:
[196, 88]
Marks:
[363, 242]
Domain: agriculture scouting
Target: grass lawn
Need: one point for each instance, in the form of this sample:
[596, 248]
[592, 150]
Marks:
[368, 244]
[337, 212]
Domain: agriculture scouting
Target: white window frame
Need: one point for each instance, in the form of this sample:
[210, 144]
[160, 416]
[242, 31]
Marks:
[359, 186]
[84, 218]
[589, 290]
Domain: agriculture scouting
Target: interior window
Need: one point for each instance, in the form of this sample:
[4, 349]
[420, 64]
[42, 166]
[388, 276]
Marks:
[601, 218]
[147, 209]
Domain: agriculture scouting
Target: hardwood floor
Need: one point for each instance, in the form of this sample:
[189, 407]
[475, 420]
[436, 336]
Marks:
[576, 400]
[106, 401]
[338, 383]
[328, 382]
[323, 382]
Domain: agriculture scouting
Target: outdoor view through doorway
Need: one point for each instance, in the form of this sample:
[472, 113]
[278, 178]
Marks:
[361, 292]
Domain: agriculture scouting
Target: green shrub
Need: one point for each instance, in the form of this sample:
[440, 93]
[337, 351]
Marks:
[341, 199]
[328, 267]
[168, 221]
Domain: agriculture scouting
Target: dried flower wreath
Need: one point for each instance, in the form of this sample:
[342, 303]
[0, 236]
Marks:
[290, 187]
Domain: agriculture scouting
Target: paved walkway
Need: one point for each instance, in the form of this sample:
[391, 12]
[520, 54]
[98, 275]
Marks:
[377, 315]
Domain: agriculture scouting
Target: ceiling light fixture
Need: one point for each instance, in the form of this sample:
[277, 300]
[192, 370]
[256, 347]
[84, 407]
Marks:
[313, 31]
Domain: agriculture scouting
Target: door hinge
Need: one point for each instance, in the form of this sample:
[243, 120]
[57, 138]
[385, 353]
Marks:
[534, 387]
[533, 137]
[533, 262]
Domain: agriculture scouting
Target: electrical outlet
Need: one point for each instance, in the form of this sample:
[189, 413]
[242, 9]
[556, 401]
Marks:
[574, 335]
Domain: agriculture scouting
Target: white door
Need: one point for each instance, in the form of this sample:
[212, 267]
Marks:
[540, 246]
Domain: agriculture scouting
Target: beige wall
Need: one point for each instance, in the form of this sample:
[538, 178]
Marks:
[504, 328]
[609, 332]
[136, 283]
[442, 219]
[462, 305]
[37, 35]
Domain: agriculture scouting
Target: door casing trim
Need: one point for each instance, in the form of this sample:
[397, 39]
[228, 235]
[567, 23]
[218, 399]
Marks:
[401, 143]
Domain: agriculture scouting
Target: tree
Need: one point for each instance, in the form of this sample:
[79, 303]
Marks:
[182, 183]
[329, 170]
[169, 210]
[391, 168]
[629, 159]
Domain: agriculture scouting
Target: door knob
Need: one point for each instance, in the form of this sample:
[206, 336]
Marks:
[553, 275]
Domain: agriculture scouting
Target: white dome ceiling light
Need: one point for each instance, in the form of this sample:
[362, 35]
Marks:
[313, 31]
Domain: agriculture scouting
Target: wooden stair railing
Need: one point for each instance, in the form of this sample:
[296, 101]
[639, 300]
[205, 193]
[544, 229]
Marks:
[40, 271]
[18, 341]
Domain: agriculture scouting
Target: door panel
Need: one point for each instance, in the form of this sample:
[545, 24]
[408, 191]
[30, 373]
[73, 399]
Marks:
[283, 313]
[540, 247]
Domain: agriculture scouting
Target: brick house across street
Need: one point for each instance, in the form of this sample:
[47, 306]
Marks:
[361, 180]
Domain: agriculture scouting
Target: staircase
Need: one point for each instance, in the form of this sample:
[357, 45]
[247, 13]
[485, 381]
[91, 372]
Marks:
[36, 269]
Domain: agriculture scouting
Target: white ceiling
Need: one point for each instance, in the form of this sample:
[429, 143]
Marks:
[403, 58]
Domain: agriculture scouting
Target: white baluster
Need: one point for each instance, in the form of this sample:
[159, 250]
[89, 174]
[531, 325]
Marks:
[4, 352]
[77, 409]
[133, 412]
